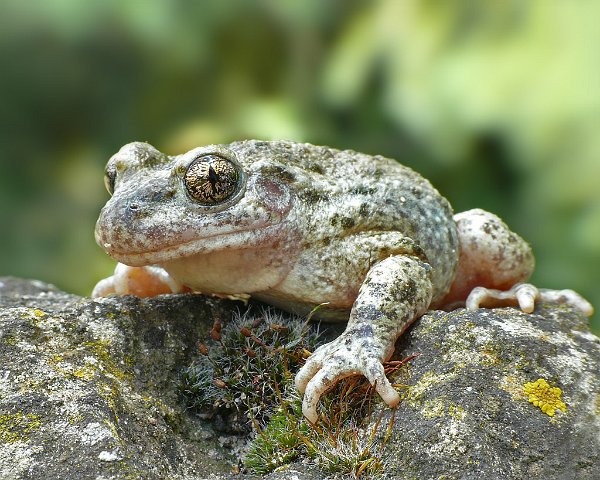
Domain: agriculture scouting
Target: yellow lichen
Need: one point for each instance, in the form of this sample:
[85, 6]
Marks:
[17, 426]
[545, 397]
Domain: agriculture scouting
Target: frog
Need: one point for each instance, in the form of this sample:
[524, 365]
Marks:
[347, 236]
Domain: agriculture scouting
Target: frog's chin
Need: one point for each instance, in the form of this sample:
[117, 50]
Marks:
[246, 239]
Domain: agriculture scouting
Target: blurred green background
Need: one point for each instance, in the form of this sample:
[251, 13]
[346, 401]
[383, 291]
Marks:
[497, 102]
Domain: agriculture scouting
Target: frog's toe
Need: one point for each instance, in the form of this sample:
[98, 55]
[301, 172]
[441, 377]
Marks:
[525, 294]
[330, 373]
[375, 373]
[327, 366]
[570, 297]
[308, 371]
[522, 295]
[104, 287]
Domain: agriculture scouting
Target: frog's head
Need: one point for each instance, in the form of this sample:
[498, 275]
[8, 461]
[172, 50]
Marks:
[209, 199]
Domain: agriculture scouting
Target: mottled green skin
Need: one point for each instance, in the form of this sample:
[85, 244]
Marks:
[350, 211]
[307, 225]
[318, 218]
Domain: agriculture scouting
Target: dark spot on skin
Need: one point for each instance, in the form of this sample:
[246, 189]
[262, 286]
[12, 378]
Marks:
[311, 196]
[363, 211]
[367, 312]
[417, 192]
[315, 167]
[363, 190]
[360, 331]
[512, 238]
[333, 221]
[347, 222]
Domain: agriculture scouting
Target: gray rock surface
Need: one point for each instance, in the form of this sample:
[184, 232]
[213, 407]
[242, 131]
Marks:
[88, 390]
[88, 387]
[466, 414]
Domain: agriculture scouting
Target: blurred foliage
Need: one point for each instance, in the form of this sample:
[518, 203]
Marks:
[496, 102]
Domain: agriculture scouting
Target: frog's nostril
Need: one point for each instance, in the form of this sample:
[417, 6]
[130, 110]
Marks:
[134, 207]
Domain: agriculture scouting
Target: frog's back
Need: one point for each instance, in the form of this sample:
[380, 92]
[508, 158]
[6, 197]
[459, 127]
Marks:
[354, 192]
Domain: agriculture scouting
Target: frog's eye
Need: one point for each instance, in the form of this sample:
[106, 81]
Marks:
[110, 174]
[211, 179]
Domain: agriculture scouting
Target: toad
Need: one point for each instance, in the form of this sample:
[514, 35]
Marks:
[296, 226]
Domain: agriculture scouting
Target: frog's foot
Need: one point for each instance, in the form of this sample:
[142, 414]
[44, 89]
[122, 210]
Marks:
[524, 295]
[336, 360]
[139, 281]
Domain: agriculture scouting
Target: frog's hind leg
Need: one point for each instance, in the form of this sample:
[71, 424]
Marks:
[493, 263]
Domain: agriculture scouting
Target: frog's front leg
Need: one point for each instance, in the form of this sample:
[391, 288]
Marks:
[146, 281]
[396, 291]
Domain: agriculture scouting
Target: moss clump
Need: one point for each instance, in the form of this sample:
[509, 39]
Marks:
[243, 380]
[280, 442]
[545, 397]
[340, 443]
[17, 426]
[243, 368]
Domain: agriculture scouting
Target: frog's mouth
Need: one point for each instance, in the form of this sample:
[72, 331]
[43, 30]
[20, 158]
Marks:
[255, 238]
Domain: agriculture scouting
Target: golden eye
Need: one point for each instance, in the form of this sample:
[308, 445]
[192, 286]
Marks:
[211, 179]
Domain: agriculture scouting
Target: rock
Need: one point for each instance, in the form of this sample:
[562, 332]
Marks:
[466, 414]
[88, 389]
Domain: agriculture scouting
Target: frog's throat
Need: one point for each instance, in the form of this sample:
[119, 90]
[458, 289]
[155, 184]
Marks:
[243, 239]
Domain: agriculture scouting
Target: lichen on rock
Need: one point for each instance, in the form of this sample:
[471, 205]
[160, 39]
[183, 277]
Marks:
[545, 397]
[89, 389]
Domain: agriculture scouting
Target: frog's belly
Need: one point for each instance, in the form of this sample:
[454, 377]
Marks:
[230, 271]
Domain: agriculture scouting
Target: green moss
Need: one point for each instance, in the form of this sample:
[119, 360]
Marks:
[34, 315]
[245, 367]
[113, 428]
[491, 355]
[100, 349]
[10, 340]
[433, 408]
[457, 412]
[84, 373]
[281, 440]
[160, 408]
[341, 443]
[244, 371]
[427, 381]
[17, 426]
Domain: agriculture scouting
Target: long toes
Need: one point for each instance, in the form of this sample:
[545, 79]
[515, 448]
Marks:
[571, 297]
[375, 373]
[526, 295]
[308, 371]
[476, 297]
[325, 378]
[104, 287]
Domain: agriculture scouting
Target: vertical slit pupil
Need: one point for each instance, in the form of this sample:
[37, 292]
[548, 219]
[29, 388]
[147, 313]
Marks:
[213, 178]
